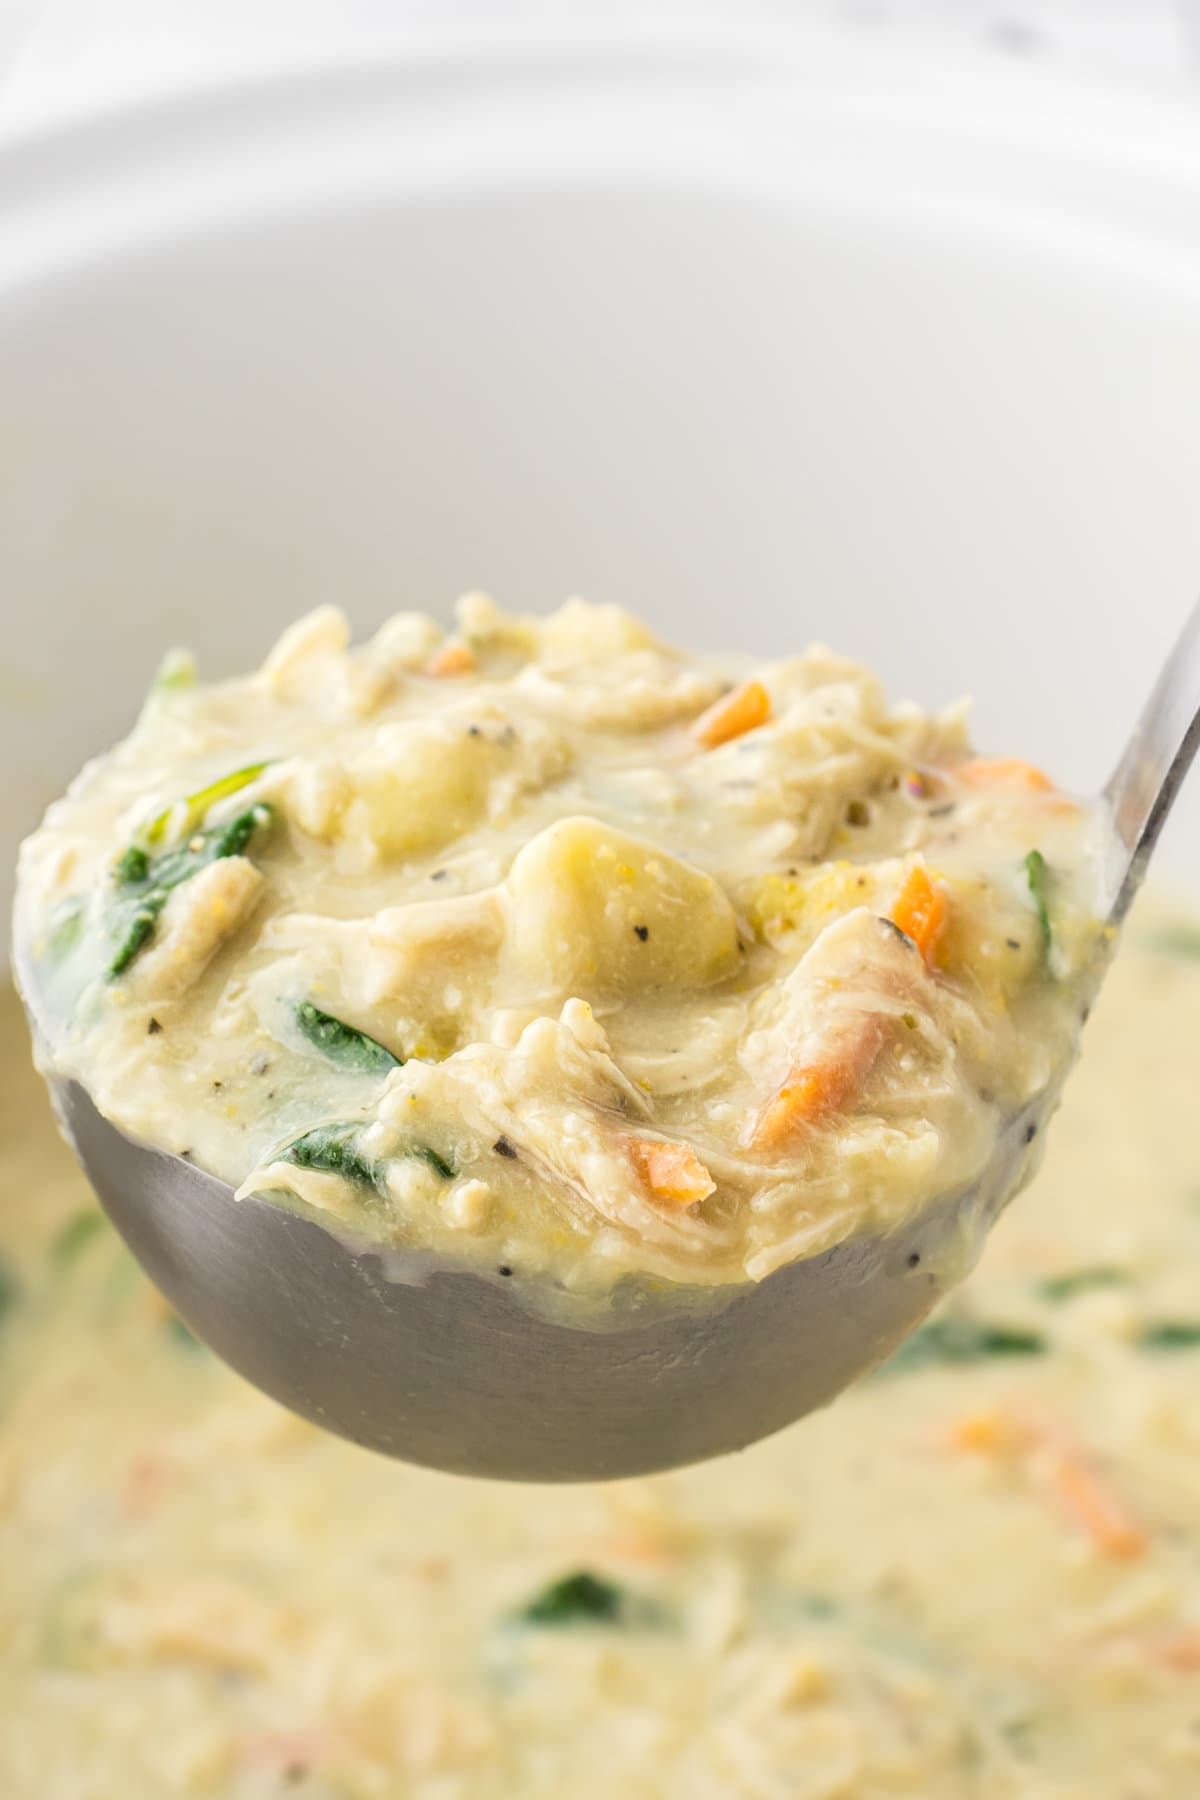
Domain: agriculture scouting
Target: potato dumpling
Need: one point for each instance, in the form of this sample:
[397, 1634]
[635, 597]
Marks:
[421, 783]
[594, 912]
[425, 782]
[788, 910]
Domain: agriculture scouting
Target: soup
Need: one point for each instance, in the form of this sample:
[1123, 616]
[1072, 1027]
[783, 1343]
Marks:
[976, 1577]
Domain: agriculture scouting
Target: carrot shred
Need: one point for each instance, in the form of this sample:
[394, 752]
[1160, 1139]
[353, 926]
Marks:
[1076, 1487]
[811, 1089]
[453, 658]
[1093, 1506]
[920, 911]
[672, 1172]
[1003, 772]
[733, 715]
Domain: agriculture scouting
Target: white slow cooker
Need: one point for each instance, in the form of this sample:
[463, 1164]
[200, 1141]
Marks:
[772, 336]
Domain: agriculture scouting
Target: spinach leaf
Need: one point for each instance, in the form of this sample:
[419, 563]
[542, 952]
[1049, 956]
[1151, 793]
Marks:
[200, 803]
[144, 884]
[342, 1043]
[1081, 1281]
[582, 1598]
[1170, 1334]
[334, 1150]
[964, 1340]
[1037, 874]
[337, 1150]
[437, 1163]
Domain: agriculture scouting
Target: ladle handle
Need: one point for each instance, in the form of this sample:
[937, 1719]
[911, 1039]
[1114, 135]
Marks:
[1142, 788]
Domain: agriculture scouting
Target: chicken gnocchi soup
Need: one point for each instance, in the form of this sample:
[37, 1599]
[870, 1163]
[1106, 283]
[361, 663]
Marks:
[548, 947]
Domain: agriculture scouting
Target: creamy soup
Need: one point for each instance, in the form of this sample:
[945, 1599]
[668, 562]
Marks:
[977, 1577]
[548, 946]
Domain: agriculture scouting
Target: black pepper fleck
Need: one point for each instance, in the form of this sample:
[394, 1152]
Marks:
[217, 1086]
[641, 932]
[503, 1147]
[474, 731]
[259, 1064]
[439, 875]
[153, 1028]
[940, 812]
[504, 1270]
[1013, 943]
[914, 1257]
[1030, 1133]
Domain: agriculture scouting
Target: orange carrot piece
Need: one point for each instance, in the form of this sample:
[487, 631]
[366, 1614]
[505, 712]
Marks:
[1086, 1498]
[733, 714]
[672, 1172]
[1003, 772]
[814, 1088]
[1179, 1650]
[453, 658]
[920, 911]
[990, 1432]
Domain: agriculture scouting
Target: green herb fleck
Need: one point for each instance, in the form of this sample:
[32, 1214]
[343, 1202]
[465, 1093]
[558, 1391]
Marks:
[1170, 1334]
[964, 1340]
[1037, 874]
[1081, 1281]
[576, 1599]
[342, 1043]
[144, 884]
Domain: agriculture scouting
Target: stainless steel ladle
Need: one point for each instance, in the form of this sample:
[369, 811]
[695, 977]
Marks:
[453, 1368]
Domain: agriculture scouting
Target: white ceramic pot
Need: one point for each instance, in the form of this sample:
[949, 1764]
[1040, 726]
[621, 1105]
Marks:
[773, 337]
